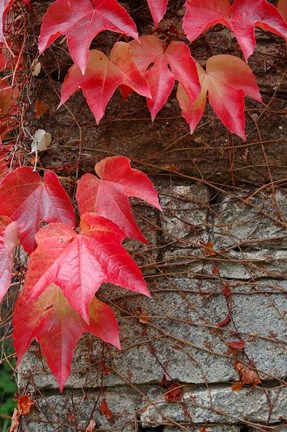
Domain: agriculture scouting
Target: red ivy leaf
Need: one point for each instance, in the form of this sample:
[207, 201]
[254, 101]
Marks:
[102, 77]
[108, 193]
[241, 18]
[162, 67]
[8, 241]
[173, 393]
[236, 345]
[52, 321]
[227, 80]
[105, 410]
[157, 9]
[29, 201]
[81, 21]
[80, 263]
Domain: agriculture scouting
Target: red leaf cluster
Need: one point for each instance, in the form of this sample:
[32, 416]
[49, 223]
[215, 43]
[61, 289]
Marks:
[67, 267]
[241, 18]
[149, 69]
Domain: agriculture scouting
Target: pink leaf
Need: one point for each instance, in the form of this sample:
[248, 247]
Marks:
[102, 77]
[80, 263]
[157, 9]
[103, 323]
[81, 21]
[226, 81]
[241, 18]
[29, 201]
[8, 241]
[162, 68]
[108, 193]
[52, 321]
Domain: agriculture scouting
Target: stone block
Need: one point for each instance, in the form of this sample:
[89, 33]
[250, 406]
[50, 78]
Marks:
[181, 337]
[255, 222]
[145, 255]
[208, 428]
[73, 411]
[185, 212]
[219, 405]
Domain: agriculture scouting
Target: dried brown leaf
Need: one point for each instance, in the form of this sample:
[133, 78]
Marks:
[246, 374]
[40, 108]
[24, 404]
[237, 386]
[144, 318]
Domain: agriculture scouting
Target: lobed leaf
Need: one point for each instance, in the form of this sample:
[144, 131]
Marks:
[157, 9]
[25, 198]
[227, 80]
[162, 67]
[102, 77]
[81, 21]
[107, 194]
[52, 321]
[80, 263]
[241, 18]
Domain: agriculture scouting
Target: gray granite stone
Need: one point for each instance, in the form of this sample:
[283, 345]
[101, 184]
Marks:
[216, 405]
[145, 255]
[70, 412]
[277, 428]
[185, 212]
[208, 428]
[181, 338]
[186, 337]
[256, 222]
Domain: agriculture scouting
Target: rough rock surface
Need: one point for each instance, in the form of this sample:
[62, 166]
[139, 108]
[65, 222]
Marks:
[202, 303]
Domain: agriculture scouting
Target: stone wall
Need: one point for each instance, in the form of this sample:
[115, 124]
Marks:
[215, 263]
[209, 258]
